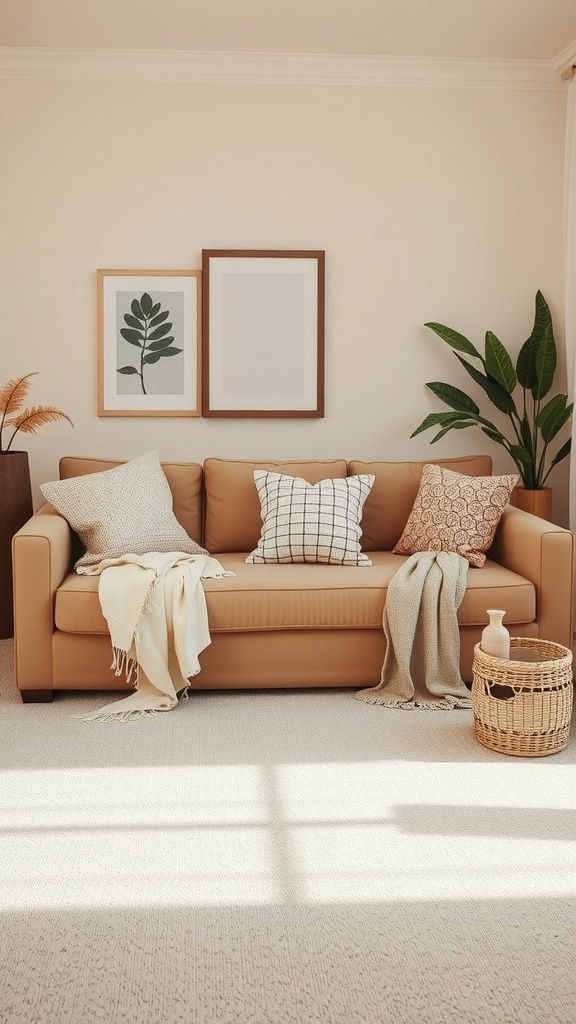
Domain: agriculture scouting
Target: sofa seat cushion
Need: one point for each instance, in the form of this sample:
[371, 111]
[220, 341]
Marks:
[308, 596]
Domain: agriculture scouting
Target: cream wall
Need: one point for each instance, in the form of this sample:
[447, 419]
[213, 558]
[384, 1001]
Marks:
[431, 204]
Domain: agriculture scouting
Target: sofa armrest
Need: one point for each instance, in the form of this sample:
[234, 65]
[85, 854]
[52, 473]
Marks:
[544, 554]
[41, 558]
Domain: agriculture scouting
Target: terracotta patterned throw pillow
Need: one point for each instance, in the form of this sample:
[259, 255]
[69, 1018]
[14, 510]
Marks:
[454, 512]
[304, 522]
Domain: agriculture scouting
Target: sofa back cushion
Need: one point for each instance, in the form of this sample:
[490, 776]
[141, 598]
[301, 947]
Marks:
[232, 512]
[184, 479]
[394, 491]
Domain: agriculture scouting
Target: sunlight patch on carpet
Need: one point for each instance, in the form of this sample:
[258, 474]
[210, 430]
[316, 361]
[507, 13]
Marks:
[260, 834]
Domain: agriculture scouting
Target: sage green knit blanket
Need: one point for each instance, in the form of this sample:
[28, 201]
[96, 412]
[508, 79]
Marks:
[421, 666]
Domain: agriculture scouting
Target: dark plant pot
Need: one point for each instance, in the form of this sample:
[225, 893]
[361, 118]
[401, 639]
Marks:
[15, 510]
[539, 503]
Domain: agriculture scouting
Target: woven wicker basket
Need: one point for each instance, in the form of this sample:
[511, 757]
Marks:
[523, 707]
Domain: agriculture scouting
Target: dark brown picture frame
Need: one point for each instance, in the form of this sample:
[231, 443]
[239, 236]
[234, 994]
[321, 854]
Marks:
[263, 332]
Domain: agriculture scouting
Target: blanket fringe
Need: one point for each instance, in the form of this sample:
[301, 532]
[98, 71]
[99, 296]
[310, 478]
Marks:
[124, 665]
[105, 715]
[442, 704]
[115, 716]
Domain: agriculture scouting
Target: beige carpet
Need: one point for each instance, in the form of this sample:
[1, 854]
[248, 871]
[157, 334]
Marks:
[280, 858]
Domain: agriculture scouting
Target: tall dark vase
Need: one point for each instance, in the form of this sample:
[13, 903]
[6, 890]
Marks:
[15, 509]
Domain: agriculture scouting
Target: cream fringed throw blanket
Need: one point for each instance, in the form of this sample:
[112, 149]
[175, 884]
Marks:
[421, 665]
[155, 608]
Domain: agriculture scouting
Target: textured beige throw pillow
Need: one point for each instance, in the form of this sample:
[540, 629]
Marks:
[304, 522]
[123, 510]
[454, 512]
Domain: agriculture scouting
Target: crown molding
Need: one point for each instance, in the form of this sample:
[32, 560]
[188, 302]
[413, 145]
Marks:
[273, 68]
[565, 62]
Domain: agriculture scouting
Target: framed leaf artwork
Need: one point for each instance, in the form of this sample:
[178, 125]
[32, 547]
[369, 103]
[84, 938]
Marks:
[149, 342]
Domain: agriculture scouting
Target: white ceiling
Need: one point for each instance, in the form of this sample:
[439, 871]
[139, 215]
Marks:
[501, 29]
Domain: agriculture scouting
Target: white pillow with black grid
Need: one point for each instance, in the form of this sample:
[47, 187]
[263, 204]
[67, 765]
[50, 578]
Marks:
[304, 522]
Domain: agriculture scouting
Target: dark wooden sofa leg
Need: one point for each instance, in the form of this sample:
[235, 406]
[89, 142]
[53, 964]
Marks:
[37, 696]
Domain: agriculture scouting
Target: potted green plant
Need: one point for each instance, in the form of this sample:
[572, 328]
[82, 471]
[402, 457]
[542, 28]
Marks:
[520, 391]
[15, 490]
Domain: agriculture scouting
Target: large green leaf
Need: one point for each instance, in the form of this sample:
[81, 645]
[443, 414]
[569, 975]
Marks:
[550, 410]
[520, 453]
[453, 397]
[454, 339]
[494, 434]
[542, 317]
[552, 429]
[498, 363]
[526, 364]
[496, 393]
[137, 309]
[434, 418]
[525, 464]
[127, 369]
[564, 451]
[553, 417]
[526, 434]
[452, 426]
[545, 360]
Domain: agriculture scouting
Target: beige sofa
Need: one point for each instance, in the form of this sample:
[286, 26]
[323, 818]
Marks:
[285, 625]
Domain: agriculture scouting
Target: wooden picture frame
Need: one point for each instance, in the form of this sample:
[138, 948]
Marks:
[263, 332]
[149, 324]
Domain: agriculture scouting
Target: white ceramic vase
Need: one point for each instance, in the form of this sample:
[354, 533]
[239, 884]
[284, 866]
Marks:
[495, 637]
